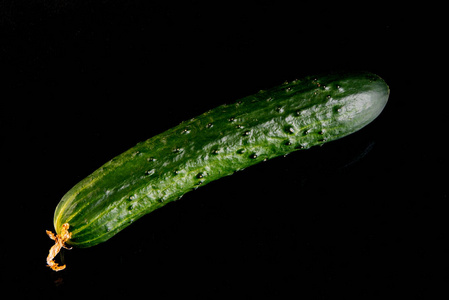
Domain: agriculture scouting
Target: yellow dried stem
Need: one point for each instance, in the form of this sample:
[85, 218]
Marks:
[60, 240]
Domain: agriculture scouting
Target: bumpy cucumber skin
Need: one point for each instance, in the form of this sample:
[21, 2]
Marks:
[296, 115]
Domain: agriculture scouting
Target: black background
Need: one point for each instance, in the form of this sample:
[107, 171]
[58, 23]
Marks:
[364, 217]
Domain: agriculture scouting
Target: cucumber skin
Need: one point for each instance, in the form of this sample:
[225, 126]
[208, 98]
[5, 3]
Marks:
[292, 116]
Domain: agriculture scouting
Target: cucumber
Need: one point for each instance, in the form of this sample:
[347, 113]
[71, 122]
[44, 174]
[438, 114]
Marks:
[295, 115]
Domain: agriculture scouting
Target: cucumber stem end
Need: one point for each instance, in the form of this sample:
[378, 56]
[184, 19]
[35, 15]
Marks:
[60, 240]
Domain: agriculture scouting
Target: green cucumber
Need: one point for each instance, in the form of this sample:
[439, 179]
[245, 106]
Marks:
[295, 115]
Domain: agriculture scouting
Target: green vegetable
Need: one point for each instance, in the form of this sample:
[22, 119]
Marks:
[295, 115]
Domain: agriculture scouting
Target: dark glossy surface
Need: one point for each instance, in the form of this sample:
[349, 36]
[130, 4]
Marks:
[83, 81]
